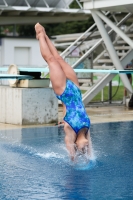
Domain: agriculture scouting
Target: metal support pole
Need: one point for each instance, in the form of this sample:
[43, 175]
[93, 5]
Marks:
[102, 95]
[98, 43]
[46, 4]
[92, 68]
[81, 7]
[115, 28]
[27, 3]
[78, 39]
[5, 2]
[111, 50]
[110, 92]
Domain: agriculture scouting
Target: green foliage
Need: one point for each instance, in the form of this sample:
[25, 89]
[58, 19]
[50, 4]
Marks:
[117, 96]
[74, 4]
[59, 28]
[26, 30]
[51, 29]
[5, 29]
[68, 27]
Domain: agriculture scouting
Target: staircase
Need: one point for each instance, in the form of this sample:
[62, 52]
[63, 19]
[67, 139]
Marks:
[91, 48]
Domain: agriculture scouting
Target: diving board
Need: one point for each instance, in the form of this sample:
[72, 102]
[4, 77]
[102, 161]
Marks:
[40, 69]
[15, 76]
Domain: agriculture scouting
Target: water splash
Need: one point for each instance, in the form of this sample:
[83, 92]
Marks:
[85, 161]
[85, 166]
[50, 155]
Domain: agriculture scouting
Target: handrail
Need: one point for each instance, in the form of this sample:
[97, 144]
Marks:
[81, 7]
[77, 40]
[99, 42]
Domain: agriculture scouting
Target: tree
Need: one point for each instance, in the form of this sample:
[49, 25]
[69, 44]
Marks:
[26, 30]
[59, 28]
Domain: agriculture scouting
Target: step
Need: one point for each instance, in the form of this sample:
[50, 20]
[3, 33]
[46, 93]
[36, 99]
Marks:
[130, 35]
[119, 54]
[96, 81]
[98, 74]
[104, 61]
[102, 67]
[122, 47]
[84, 80]
[121, 42]
[84, 88]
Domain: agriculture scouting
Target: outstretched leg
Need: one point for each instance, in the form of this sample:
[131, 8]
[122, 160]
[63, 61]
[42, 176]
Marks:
[59, 71]
[57, 75]
[68, 70]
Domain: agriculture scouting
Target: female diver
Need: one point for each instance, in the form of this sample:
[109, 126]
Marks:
[66, 87]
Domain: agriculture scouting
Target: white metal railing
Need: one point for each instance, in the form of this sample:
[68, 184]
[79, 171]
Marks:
[46, 3]
[99, 42]
[79, 4]
[5, 3]
[63, 54]
[78, 39]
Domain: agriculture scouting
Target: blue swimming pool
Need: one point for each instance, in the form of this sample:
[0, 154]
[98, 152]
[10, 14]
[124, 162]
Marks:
[34, 165]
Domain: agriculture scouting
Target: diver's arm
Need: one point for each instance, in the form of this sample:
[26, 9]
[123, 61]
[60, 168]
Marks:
[89, 144]
[70, 147]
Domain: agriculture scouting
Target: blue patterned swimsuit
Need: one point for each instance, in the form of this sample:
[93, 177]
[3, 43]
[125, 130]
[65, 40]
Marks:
[76, 115]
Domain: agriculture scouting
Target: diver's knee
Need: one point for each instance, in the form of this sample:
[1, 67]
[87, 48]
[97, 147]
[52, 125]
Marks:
[59, 58]
[49, 58]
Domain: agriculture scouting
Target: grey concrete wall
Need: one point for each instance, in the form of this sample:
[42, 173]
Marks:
[26, 106]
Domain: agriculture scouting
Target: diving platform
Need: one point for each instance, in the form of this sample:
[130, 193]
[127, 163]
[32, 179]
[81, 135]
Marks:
[13, 76]
[29, 100]
[21, 69]
[28, 106]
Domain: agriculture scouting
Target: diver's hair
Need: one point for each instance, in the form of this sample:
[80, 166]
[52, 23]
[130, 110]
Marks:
[81, 154]
[82, 151]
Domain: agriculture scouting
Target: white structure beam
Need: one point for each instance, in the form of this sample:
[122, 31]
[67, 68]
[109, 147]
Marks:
[90, 94]
[6, 20]
[109, 5]
[98, 43]
[111, 50]
[115, 28]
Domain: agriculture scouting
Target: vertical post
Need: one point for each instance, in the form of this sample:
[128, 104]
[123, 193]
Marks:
[115, 28]
[91, 67]
[110, 92]
[102, 95]
[81, 7]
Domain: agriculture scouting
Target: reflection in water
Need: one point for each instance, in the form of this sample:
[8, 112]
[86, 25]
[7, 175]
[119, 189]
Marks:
[34, 164]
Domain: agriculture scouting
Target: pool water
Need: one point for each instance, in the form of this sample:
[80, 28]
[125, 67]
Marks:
[34, 164]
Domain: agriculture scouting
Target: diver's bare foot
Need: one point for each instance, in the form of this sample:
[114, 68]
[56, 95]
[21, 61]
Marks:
[40, 31]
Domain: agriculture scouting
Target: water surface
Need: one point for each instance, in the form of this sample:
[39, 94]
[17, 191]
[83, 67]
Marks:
[34, 164]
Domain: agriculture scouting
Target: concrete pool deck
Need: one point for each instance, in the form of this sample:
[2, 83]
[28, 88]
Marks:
[97, 114]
